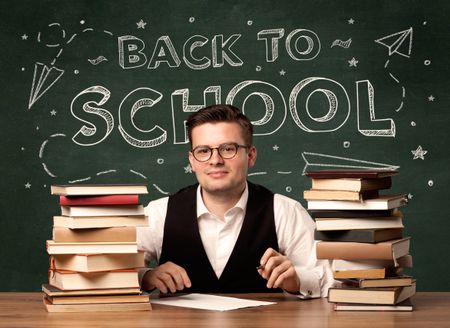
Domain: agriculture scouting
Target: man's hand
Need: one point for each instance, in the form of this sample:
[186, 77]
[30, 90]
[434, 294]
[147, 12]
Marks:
[279, 272]
[166, 277]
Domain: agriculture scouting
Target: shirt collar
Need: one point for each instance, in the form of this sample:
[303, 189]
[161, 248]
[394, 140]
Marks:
[241, 204]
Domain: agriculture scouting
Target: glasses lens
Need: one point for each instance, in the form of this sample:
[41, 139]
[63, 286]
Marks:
[228, 151]
[202, 153]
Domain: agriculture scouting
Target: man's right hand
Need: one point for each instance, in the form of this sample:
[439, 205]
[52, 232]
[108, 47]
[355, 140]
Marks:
[166, 277]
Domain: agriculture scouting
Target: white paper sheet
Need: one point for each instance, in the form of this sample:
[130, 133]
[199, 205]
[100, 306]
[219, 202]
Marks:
[208, 302]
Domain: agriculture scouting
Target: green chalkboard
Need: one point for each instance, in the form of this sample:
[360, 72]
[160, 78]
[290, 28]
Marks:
[98, 92]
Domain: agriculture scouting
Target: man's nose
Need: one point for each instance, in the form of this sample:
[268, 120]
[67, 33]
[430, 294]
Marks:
[215, 157]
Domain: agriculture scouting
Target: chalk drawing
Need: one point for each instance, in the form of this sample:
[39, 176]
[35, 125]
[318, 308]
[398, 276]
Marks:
[340, 43]
[330, 161]
[141, 24]
[419, 153]
[43, 79]
[97, 60]
[139, 174]
[399, 43]
[386, 126]
[106, 172]
[353, 62]
[160, 190]
[134, 101]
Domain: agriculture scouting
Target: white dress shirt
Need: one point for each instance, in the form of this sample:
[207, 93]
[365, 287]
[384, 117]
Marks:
[294, 229]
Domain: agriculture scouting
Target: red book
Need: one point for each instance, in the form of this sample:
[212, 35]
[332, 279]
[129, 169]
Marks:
[99, 200]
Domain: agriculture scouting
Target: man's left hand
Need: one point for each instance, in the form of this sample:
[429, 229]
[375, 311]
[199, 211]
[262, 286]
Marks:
[279, 271]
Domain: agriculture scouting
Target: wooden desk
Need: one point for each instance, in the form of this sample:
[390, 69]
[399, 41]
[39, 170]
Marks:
[26, 310]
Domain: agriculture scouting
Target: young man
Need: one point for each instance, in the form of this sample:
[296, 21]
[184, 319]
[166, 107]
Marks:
[226, 234]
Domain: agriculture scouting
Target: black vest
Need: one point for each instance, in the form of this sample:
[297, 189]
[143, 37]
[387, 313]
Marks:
[183, 246]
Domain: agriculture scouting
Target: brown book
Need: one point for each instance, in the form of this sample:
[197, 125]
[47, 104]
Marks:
[315, 194]
[70, 280]
[388, 295]
[109, 307]
[332, 224]
[100, 299]
[54, 291]
[98, 189]
[80, 222]
[352, 173]
[394, 281]
[62, 234]
[96, 262]
[360, 273]
[386, 250]
[383, 202]
[406, 305]
[351, 184]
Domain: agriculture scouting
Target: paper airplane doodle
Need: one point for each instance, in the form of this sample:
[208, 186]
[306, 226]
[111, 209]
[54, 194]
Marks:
[324, 160]
[399, 43]
[43, 79]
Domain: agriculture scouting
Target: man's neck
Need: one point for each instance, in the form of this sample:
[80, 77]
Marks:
[219, 203]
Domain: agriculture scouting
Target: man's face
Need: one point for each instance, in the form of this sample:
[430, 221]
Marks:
[217, 175]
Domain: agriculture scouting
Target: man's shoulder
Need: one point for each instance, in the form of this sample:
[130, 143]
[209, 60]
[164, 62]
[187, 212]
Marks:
[286, 200]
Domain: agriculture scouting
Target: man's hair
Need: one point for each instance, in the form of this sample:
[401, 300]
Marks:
[221, 113]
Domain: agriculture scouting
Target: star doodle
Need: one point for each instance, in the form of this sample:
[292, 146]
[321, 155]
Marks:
[141, 24]
[431, 98]
[351, 21]
[275, 147]
[24, 37]
[282, 72]
[419, 153]
[53, 112]
[353, 62]
[27, 185]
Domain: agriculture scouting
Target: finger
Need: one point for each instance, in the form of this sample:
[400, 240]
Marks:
[181, 278]
[271, 263]
[283, 277]
[276, 272]
[168, 282]
[267, 255]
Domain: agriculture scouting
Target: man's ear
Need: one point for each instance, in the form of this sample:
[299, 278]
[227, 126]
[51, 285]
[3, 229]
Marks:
[191, 161]
[251, 154]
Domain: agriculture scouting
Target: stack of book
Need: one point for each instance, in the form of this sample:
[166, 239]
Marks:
[94, 259]
[361, 231]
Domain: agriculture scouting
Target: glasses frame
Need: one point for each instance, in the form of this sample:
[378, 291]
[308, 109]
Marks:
[218, 151]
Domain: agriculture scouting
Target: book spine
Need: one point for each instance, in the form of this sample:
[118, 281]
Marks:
[116, 234]
[353, 251]
[99, 200]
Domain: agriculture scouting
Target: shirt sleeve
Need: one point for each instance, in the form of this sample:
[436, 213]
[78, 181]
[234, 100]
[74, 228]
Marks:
[295, 232]
[150, 238]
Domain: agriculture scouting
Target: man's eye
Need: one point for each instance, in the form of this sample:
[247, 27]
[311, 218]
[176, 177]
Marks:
[202, 151]
[227, 148]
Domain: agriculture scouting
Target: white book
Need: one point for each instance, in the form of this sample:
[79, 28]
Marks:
[70, 280]
[339, 265]
[91, 248]
[332, 224]
[102, 210]
[385, 202]
[86, 222]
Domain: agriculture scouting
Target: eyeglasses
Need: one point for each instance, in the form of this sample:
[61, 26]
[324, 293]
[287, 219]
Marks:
[226, 151]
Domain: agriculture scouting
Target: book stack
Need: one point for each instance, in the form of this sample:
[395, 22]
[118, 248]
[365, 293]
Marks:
[94, 259]
[361, 231]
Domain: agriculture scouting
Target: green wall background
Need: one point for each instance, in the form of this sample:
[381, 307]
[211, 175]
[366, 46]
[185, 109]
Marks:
[360, 83]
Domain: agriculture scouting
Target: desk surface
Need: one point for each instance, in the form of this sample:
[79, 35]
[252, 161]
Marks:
[431, 310]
